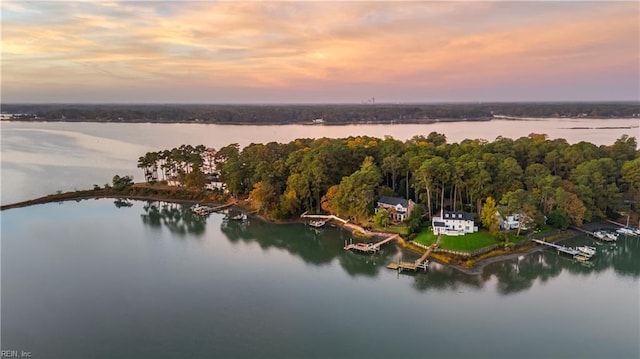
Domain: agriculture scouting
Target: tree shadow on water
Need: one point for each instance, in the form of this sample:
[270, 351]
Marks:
[177, 218]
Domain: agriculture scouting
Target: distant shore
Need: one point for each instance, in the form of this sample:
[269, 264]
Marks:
[267, 123]
[331, 123]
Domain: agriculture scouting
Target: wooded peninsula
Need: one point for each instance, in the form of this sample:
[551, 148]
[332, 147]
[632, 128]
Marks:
[546, 181]
[530, 184]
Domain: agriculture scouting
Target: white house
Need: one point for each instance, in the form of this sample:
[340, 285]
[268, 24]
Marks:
[399, 208]
[453, 223]
[214, 183]
[512, 222]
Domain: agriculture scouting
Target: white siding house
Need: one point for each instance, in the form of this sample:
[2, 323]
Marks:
[453, 223]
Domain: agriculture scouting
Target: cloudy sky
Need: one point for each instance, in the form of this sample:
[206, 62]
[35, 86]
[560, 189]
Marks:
[319, 52]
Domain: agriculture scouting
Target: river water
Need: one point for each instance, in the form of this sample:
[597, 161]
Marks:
[105, 279]
[45, 157]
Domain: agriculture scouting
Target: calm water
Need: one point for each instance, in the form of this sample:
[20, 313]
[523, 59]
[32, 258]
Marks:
[42, 158]
[89, 279]
[92, 279]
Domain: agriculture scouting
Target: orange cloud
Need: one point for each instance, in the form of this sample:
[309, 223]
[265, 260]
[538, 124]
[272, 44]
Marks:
[287, 45]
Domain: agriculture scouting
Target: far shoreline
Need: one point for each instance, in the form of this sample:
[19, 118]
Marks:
[415, 121]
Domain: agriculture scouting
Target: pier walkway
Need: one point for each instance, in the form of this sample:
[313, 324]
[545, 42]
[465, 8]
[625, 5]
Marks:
[323, 216]
[582, 230]
[215, 209]
[420, 263]
[559, 248]
[369, 247]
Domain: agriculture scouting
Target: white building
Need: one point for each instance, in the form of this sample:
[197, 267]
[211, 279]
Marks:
[512, 222]
[214, 183]
[453, 223]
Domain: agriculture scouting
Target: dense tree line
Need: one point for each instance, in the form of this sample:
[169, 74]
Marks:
[533, 176]
[331, 114]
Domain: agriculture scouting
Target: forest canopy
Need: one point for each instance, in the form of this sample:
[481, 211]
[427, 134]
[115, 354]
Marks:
[542, 178]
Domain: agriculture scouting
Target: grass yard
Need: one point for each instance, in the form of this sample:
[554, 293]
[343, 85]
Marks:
[467, 243]
[513, 239]
[400, 228]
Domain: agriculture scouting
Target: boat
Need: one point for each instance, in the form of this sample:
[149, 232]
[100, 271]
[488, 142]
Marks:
[626, 230]
[201, 210]
[612, 236]
[581, 258]
[239, 217]
[600, 234]
[317, 224]
[587, 250]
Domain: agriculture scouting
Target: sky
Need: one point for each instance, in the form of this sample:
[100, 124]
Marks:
[319, 52]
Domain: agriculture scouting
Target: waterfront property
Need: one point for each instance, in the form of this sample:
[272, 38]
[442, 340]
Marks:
[399, 208]
[453, 223]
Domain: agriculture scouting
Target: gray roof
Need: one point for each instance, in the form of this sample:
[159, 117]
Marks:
[458, 215]
[394, 201]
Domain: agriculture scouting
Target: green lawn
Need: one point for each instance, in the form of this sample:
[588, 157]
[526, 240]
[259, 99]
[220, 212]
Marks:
[400, 228]
[467, 243]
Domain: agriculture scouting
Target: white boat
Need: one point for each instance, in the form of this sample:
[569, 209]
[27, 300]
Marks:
[612, 236]
[201, 210]
[600, 234]
[581, 258]
[587, 250]
[317, 224]
[626, 230]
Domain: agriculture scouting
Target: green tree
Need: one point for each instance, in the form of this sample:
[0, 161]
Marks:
[631, 178]
[520, 202]
[195, 178]
[381, 219]
[121, 183]
[356, 193]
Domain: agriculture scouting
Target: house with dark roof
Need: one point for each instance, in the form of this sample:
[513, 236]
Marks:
[453, 223]
[398, 207]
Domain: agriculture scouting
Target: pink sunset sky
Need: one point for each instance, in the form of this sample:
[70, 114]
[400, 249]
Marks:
[319, 52]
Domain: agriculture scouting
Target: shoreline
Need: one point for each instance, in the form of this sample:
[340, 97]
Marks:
[240, 123]
[406, 121]
[77, 196]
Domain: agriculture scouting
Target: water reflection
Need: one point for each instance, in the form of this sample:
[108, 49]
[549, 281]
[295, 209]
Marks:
[317, 247]
[517, 275]
[322, 247]
[178, 218]
[122, 203]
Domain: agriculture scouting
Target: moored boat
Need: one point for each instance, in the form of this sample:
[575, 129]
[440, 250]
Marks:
[612, 236]
[581, 258]
[587, 250]
[201, 210]
[317, 224]
[600, 234]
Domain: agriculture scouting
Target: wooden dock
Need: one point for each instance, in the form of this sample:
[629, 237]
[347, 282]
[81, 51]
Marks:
[369, 247]
[323, 217]
[420, 263]
[581, 230]
[567, 250]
